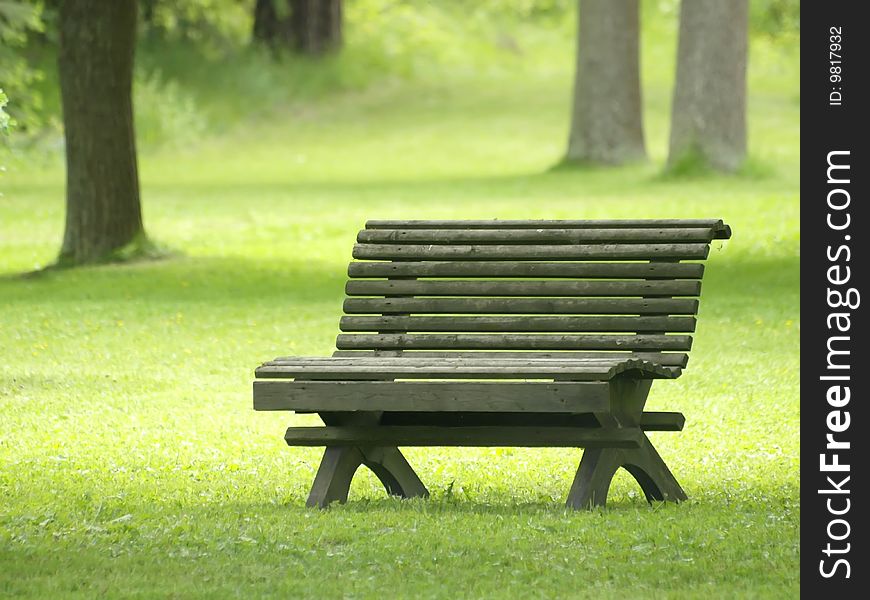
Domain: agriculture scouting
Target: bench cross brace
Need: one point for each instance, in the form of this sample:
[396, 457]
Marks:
[591, 483]
[599, 465]
[340, 463]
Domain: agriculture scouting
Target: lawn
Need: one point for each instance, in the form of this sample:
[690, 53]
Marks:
[132, 464]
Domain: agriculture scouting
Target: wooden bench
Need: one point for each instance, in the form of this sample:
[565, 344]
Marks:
[501, 333]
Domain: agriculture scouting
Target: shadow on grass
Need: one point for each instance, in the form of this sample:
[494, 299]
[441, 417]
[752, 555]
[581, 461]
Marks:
[752, 169]
[482, 508]
[184, 280]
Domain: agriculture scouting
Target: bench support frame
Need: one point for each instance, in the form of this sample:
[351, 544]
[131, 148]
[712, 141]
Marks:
[340, 463]
[591, 483]
[599, 465]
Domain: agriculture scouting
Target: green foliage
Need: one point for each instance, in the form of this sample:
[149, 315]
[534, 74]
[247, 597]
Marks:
[4, 117]
[17, 20]
[775, 17]
[4, 127]
[212, 25]
[165, 113]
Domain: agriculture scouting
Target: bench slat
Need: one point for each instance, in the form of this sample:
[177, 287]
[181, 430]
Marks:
[473, 367]
[662, 421]
[534, 236]
[524, 288]
[514, 342]
[411, 361]
[721, 230]
[564, 270]
[670, 359]
[409, 435]
[519, 324]
[649, 421]
[386, 369]
[603, 306]
[532, 252]
[412, 396]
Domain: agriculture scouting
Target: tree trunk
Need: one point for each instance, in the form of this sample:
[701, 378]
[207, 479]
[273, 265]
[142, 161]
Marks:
[316, 25]
[267, 25]
[96, 76]
[708, 122]
[607, 120]
[311, 27]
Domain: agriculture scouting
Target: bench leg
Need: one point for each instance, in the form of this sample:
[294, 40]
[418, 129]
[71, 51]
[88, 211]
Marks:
[340, 463]
[599, 465]
[592, 481]
[651, 472]
[391, 467]
[334, 475]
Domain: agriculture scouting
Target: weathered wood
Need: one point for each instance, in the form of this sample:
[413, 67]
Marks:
[392, 469]
[651, 472]
[519, 324]
[531, 252]
[507, 306]
[363, 373]
[282, 394]
[385, 369]
[669, 359]
[564, 270]
[628, 396]
[662, 421]
[716, 224]
[592, 481]
[599, 465]
[649, 421]
[531, 437]
[462, 341]
[524, 288]
[535, 236]
[410, 366]
[476, 359]
[332, 482]
[340, 463]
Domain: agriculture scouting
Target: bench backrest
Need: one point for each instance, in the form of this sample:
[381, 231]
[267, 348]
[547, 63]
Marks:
[550, 287]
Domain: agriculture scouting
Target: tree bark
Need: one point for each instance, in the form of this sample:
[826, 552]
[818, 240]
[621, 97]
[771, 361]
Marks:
[708, 122]
[607, 117]
[316, 25]
[103, 214]
[267, 25]
[310, 27]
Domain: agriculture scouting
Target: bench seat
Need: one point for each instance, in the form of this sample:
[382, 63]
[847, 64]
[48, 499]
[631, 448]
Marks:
[410, 367]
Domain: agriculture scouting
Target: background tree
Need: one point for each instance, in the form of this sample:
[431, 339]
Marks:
[311, 27]
[708, 121]
[97, 40]
[607, 122]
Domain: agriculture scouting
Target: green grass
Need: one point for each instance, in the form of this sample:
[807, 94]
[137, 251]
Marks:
[132, 465]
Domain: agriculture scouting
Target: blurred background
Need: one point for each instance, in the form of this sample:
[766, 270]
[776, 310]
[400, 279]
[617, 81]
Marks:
[213, 71]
